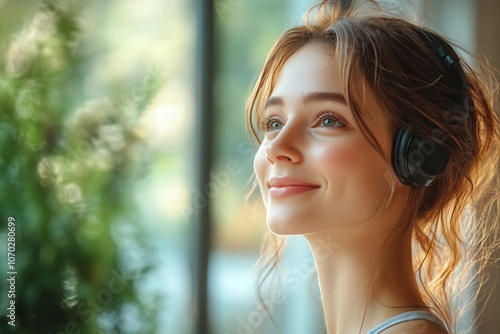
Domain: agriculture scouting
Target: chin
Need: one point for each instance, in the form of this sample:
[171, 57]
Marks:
[284, 226]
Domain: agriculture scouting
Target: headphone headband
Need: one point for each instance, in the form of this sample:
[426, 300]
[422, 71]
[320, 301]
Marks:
[453, 68]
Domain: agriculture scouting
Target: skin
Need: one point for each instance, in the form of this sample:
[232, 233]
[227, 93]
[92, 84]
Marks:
[352, 198]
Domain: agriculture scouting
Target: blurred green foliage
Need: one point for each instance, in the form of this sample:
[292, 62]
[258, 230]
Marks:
[66, 177]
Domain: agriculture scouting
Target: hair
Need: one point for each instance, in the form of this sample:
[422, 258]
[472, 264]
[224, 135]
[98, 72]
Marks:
[453, 224]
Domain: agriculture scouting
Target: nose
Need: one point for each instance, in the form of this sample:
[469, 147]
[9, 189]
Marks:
[285, 147]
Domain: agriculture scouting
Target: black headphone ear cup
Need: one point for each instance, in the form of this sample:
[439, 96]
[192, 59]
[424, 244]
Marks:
[398, 155]
[417, 161]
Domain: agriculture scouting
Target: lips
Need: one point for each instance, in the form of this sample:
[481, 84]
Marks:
[288, 186]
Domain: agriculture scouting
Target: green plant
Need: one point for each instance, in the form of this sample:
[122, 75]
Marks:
[65, 180]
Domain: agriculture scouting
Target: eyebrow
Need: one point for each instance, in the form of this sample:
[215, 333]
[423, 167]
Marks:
[309, 98]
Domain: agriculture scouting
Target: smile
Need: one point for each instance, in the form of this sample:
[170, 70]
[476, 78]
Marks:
[289, 186]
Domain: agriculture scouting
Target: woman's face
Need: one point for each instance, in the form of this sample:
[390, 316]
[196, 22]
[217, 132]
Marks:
[315, 169]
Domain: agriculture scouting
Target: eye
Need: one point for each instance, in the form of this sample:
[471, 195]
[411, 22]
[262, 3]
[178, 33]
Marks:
[270, 124]
[275, 125]
[329, 120]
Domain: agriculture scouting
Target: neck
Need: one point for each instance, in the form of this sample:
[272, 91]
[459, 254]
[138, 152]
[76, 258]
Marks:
[353, 300]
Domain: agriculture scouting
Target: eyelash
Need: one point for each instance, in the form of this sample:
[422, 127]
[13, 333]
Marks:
[267, 120]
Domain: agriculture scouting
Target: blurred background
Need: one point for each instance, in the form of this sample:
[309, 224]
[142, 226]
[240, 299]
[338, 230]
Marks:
[124, 163]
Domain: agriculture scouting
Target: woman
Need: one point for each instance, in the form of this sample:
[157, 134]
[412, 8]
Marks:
[378, 140]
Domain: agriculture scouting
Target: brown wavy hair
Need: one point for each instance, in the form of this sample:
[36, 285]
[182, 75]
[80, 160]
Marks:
[454, 223]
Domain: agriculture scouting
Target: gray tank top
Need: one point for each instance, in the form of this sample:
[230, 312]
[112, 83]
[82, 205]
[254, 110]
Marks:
[404, 317]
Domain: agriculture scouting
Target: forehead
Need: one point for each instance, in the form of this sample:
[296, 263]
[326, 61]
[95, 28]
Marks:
[312, 68]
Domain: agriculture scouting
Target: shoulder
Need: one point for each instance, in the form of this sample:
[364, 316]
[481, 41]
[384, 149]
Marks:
[416, 327]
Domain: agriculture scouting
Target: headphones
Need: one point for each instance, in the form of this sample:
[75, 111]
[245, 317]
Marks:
[418, 161]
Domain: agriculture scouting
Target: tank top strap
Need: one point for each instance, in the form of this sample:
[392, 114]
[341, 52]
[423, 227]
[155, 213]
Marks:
[404, 317]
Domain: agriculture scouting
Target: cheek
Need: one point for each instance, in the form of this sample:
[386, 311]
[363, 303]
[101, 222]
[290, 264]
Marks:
[347, 157]
[361, 154]
[259, 166]
[337, 157]
[357, 178]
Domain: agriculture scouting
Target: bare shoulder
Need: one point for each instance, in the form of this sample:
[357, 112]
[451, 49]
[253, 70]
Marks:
[416, 327]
